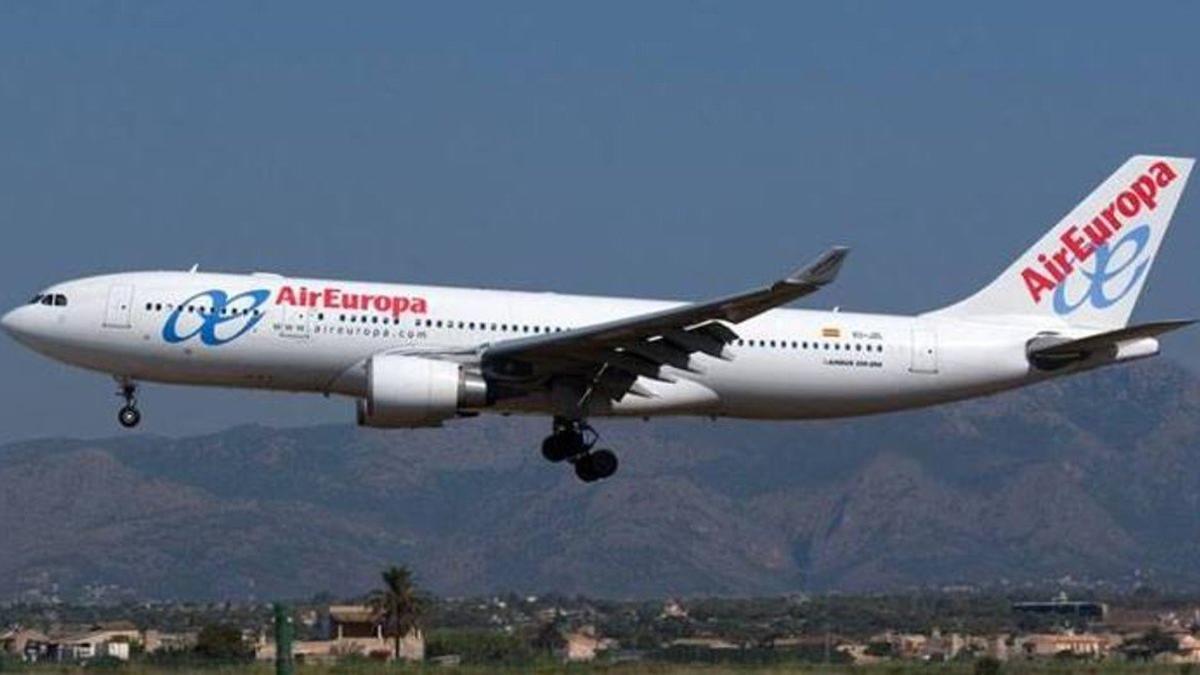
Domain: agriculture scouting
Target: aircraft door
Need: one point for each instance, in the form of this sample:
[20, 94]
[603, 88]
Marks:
[119, 307]
[924, 354]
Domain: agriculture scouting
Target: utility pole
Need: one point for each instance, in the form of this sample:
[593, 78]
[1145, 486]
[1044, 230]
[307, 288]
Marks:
[284, 631]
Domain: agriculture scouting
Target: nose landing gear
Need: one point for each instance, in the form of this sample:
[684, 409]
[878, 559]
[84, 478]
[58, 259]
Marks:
[573, 440]
[129, 416]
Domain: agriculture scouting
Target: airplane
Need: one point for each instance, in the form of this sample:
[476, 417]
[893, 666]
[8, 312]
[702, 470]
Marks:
[417, 356]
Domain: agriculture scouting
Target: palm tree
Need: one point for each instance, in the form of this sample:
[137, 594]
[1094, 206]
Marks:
[399, 606]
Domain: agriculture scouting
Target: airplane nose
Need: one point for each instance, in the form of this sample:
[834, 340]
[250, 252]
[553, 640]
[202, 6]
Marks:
[13, 324]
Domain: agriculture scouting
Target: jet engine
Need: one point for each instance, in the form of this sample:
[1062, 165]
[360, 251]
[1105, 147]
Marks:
[409, 392]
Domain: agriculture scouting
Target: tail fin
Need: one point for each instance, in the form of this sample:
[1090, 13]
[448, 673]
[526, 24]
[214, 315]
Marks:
[1088, 270]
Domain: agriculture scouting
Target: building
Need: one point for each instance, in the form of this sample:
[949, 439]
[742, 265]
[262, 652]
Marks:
[707, 643]
[580, 647]
[673, 610]
[352, 630]
[942, 647]
[1056, 644]
[584, 644]
[158, 641]
[1189, 650]
[1065, 608]
[28, 645]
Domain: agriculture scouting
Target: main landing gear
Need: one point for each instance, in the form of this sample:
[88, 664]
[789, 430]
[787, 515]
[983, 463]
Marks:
[129, 416]
[573, 440]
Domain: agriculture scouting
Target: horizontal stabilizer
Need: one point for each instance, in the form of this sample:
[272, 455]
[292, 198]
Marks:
[1048, 351]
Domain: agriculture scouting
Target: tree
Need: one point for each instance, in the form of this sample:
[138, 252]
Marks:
[987, 665]
[221, 641]
[1151, 644]
[549, 638]
[399, 606]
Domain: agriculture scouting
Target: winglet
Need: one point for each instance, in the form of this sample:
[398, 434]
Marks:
[821, 271]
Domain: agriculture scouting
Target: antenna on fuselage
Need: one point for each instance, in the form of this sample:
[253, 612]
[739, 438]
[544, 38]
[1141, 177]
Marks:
[195, 267]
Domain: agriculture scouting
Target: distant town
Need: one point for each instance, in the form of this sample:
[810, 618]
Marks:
[398, 622]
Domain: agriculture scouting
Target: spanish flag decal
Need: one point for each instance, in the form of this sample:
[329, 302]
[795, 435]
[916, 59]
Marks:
[831, 332]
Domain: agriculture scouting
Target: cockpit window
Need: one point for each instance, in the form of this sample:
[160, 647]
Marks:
[49, 299]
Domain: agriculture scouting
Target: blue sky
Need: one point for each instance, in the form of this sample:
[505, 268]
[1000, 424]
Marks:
[663, 149]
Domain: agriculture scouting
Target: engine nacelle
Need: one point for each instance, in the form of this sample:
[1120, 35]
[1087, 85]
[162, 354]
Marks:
[409, 391]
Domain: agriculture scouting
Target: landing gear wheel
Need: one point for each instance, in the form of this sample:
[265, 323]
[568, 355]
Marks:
[563, 445]
[596, 466]
[604, 463]
[129, 417]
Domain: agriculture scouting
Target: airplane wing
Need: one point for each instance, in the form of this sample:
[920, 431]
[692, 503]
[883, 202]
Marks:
[609, 357]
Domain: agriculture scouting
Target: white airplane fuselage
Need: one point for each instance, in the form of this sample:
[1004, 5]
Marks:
[786, 364]
[414, 356]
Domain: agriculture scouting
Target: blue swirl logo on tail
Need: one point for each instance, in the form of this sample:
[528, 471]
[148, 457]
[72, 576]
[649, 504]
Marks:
[1100, 279]
[220, 320]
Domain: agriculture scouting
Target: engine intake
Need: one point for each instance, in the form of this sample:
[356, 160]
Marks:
[410, 391]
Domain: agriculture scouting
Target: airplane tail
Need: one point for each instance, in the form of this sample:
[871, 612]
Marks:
[1089, 269]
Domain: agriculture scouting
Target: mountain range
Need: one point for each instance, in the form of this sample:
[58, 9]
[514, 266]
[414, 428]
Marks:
[1091, 479]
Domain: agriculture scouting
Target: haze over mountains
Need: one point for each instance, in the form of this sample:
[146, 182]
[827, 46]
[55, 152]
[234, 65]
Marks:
[1096, 478]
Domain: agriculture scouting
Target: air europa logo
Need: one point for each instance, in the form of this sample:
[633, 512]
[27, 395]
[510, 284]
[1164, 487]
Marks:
[335, 298]
[1109, 283]
[215, 317]
[1080, 244]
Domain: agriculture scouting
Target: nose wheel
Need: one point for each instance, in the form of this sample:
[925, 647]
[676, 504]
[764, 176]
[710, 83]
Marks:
[573, 440]
[129, 416]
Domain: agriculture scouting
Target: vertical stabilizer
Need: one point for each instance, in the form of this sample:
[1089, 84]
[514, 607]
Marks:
[1089, 269]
